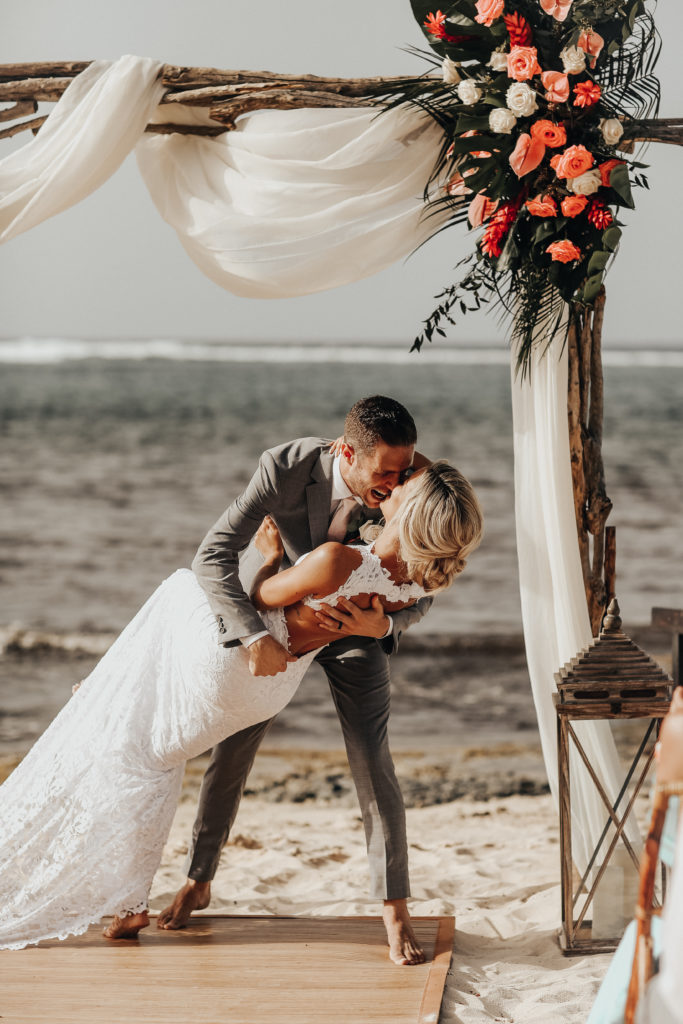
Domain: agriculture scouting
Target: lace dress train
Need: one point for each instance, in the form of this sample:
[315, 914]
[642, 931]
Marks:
[84, 817]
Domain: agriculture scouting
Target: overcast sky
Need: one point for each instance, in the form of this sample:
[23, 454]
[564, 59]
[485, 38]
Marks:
[110, 267]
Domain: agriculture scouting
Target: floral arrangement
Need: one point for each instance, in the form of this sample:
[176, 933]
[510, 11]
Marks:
[535, 97]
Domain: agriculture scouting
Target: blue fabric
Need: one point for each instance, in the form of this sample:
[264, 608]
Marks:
[610, 1002]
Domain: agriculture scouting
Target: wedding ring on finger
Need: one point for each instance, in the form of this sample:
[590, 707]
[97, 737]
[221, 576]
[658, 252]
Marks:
[339, 625]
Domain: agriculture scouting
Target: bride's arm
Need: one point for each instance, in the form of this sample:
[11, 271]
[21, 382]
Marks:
[321, 572]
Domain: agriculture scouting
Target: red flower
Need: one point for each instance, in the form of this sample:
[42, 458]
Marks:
[587, 93]
[599, 215]
[492, 240]
[434, 24]
[518, 29]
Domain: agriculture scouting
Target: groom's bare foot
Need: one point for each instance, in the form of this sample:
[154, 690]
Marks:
[404, 949]
[126, 927]
[192, 896]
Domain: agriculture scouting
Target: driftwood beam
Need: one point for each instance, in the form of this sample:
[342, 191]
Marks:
[14, 129]
[192, 78]
[49, 89]
[43, 70]
[277, 99]
[18, 110]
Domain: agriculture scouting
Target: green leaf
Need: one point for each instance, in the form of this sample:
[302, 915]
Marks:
[471, 123]
[591, 287]
[610, 237]
[598, 261]
[619, 181]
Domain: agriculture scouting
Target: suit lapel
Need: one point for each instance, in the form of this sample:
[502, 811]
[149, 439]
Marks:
[318, 499]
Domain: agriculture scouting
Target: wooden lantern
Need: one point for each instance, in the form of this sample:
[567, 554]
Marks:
[611, 678]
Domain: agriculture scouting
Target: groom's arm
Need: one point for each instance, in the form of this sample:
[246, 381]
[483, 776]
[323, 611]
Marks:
[403, 620]
[216, 564]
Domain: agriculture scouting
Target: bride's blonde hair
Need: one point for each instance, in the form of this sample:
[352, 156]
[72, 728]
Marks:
[439, 526]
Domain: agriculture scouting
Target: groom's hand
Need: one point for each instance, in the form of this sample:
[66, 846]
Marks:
[347, 619]
[267, 657]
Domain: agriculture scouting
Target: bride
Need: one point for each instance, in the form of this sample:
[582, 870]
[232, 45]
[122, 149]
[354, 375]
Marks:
[84, 817]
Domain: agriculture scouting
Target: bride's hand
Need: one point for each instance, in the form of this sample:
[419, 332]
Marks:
[336, 445]
[269, 542]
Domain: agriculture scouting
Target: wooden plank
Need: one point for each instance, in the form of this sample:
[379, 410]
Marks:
[670, 619]
[246, 970]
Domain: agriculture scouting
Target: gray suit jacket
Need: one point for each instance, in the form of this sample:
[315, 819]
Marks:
[293, 484]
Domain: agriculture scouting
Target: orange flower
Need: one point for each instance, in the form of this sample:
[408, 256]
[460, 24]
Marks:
[522, 63]
[480, 209]
[607, 168]
[488, 11]
[518, 29]
[527, 155]
[591, 43]
[542, 206]
[556, 86]
[587, 94]
[599, 215]
[551, 135]
[573, 205]
[491, 243]
[572, 162]
[564, 251]
[434, 24]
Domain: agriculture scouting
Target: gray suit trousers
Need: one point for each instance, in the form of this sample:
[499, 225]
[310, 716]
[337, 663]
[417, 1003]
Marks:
[358, 673]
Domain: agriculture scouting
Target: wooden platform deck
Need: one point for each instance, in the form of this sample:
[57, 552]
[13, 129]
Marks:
[237, 970]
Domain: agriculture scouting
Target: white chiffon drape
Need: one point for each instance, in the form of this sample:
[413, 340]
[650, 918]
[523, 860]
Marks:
[294, 202]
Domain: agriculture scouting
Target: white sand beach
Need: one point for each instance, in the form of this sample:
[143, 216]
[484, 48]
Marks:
[493, 864]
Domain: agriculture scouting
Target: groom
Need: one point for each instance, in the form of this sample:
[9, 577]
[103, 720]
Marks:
[313, 496]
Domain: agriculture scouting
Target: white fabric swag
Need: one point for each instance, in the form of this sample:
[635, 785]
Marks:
[294, 202]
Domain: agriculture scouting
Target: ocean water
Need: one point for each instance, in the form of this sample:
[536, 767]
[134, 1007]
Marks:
[112, 469]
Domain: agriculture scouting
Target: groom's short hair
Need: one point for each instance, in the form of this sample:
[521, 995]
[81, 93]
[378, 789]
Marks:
[378, 418]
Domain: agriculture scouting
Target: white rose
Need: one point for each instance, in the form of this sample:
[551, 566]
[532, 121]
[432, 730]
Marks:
[449, 71]
[469, 92]
[521, 99]
[573, 60]
[611, 129]
[586, 184]
[502, 120]
[498, 61]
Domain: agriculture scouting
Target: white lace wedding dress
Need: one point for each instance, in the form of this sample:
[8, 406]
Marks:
[84, 817]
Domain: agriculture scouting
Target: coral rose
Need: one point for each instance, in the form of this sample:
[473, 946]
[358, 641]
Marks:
[527, 155]
[606, 170]
[488, 11]
[542, 206]
[572, 162]
[564, 251]
[551, 135]
[558, 9]
[587, 94]
[523, 63]
[480, 209]
[556, 86]
[591, 43]
[572, 206]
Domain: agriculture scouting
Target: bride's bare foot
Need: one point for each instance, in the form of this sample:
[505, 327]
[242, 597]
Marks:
[192, 896]
[126, 927]
[404, 949]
